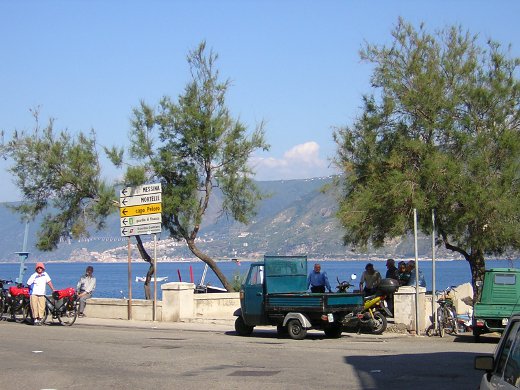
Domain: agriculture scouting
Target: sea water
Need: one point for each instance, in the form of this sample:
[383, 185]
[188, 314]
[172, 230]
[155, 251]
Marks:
[112, 278]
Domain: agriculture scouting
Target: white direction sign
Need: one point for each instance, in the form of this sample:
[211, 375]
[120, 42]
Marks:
[141, 229]
[139, 200]
[141, 220]
[136, 220]
[145, 189]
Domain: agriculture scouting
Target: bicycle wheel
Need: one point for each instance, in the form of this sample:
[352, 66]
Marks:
[440, 321]
[70, 313]
[2, 306]
[46, 314]
[451, 321]
[27, 313]
[17, 306]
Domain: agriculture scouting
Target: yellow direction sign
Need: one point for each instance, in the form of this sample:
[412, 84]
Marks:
[144, 209]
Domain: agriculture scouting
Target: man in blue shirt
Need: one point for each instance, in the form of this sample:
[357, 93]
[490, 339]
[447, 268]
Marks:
[318, 280]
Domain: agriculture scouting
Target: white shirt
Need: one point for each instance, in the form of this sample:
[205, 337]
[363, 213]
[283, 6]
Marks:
[39, 283]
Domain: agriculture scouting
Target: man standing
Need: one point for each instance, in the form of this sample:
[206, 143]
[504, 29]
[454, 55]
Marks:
[318, 280]
[85, 288]
[370, 279]
[37, 283]
[391, 270]
[393, 273]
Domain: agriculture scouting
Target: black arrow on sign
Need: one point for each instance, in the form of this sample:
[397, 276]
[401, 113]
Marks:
[124, 221]
[124, 201]
[124, 211]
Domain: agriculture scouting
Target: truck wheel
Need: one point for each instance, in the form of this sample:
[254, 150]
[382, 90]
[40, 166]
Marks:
[333, 331]
[476, 335]
[380, 323]
[296, 330]
[242, 328]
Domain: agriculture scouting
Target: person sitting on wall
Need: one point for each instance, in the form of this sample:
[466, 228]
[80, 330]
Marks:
[318, 280]
[85, 288]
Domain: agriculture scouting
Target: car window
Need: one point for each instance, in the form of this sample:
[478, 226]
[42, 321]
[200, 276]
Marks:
[512, 367]
[256, 276]
[508, 345]
[505, 279]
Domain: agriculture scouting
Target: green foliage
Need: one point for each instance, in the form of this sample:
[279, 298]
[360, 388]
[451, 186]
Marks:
[192, 146]
[238, 280]
[440, 132]
[59, 175]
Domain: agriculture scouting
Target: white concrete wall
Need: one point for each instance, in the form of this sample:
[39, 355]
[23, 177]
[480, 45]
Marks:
[404, 308]
[215, 305]
[180, 303]
[118, 309]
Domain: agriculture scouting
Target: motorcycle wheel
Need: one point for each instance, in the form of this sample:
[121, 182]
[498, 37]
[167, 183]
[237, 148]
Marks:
[296, 330]
[380, 323]
[242, 328]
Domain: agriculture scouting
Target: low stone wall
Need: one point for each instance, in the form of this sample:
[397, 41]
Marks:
[180, 303]
[112, 308]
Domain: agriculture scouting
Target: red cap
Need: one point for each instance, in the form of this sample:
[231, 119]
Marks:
[40, 265]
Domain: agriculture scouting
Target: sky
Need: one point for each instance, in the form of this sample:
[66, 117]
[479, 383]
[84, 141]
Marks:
[292, 64]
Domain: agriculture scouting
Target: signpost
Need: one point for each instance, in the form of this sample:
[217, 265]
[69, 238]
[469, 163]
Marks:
[140, 213]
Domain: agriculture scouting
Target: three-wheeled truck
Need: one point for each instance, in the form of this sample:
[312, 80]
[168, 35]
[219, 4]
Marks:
[275, 293]
[500, 299]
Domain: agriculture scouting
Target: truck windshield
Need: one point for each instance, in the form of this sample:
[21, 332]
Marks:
[505, 279]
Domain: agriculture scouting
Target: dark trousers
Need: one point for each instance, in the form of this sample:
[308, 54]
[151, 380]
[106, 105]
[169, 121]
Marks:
[318, 289]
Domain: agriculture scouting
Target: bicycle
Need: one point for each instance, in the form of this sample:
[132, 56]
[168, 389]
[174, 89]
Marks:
[62, 305]
[446, 315]
[15, 302]
[4, 296]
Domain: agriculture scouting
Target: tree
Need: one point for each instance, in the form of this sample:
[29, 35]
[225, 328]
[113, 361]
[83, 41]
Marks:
[59, 175]
[194, 146]
[440, 131]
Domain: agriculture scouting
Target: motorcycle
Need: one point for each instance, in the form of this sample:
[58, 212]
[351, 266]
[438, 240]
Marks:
[371, 317]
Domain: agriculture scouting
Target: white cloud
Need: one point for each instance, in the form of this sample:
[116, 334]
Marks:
[302, 161]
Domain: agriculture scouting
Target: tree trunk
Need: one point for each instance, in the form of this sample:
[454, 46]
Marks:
[151, 270]
[478, 267]
[212, 264]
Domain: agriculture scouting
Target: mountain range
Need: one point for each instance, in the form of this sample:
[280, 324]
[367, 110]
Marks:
[296, 217]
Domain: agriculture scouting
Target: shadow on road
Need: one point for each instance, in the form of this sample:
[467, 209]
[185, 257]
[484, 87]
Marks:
[440, 370]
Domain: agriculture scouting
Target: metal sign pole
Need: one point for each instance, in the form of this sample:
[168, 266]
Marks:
[129, 280]
[416, 273]
[434, 317]
[155, 279]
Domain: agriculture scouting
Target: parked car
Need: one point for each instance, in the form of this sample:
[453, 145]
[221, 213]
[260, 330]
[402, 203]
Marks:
[503, 367]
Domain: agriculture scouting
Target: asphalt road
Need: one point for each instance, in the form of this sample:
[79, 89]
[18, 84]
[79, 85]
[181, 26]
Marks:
[121, 355]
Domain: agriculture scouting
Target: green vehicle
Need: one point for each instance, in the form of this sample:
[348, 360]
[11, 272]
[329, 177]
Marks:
[275, 293]
[499, 300]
